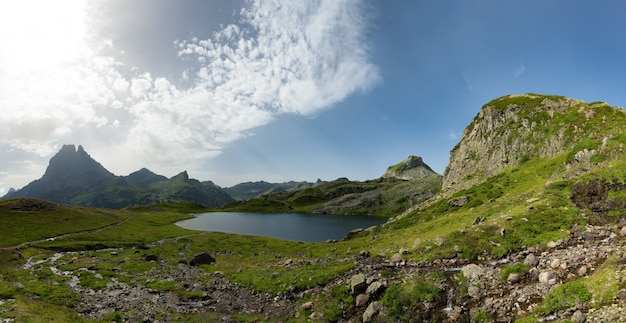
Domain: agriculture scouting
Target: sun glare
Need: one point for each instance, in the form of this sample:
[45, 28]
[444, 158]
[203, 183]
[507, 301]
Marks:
[40, 35]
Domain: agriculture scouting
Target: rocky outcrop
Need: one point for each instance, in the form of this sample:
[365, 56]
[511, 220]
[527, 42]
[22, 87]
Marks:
[411, 168]
[512, 129]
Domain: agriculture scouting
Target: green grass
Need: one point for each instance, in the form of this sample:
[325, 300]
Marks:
[401, 300]
[22, 226]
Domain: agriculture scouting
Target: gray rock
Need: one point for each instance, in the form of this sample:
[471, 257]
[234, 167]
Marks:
[371, 311]
[375, 289]
[546, 277]
[459, 201]
[364, 254]
[514, 278]
[362, 299]
[578, 317]
[202, 259]
[474, 292]
[622, 232]
[358, 284]
[478, 220]
[397, 258]
[582, 271]
[531, 260]
[472, 272]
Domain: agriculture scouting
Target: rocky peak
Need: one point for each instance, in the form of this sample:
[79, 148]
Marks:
[411, 168]
[70, 163]
[512, 129]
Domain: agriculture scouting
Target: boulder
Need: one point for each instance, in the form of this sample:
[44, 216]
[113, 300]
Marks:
[371, 311]
[458, 201]
[478, 220]
[514, 278]
[375, 289]
[472, 272]
[202, 259]
[546, 277]
[578, 317]
[362, 299]
[531, 260]
[397, 258]
[358, 284]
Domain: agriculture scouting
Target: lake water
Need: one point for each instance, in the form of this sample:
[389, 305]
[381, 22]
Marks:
[286, 226]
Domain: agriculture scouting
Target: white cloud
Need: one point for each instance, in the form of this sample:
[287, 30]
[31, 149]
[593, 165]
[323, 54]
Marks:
[296, 57]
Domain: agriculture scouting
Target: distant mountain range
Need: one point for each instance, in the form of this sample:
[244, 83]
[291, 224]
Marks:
[74, 178]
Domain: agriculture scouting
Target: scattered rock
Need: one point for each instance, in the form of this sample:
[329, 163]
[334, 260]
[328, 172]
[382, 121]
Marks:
[472, 272]
[622, 232]
[397, 258]
[546, 277]
[578, 317]
[531, 260]
[202, 259]
[478, 220]
[474, 292]
[582, 271]
[551, 245]
[306, 306]
[362, 299]
[364, 254]
[555, 263]
[371, 311]
[358, 284]
[459, 201]
[375, 289]
[514, 278]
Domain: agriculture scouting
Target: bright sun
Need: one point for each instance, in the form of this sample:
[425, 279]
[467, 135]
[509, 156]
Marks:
[41, 35]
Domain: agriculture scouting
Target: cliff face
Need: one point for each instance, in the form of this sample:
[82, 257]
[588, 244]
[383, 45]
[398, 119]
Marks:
[512, 129]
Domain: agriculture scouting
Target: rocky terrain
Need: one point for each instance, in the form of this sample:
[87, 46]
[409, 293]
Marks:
[481, 288]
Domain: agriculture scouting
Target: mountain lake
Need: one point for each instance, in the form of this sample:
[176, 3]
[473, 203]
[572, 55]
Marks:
[286, 226]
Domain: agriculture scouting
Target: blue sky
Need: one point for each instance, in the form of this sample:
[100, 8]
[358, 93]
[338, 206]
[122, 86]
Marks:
[236, 91]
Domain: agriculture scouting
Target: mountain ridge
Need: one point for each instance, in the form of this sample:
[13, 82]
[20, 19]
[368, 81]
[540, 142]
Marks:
[74, 178]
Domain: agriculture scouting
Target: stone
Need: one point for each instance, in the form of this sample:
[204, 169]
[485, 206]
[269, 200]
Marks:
[582, 271]
[397, 258]
[459, 201]
[375, 289]
[371, 311]
[551, 245]
[362, 299]
[531, 260]
[358, 284]
[364, 254]
[474, 292]
[555, 263]
[546, 277]
[472, 272]
[514, 278]
[201, 259]
[622, 232]
[478, 220]
[578, 317]
[404, 251]
[306, 306]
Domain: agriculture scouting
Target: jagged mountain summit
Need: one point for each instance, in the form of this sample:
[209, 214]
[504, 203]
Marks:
[74, 178]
